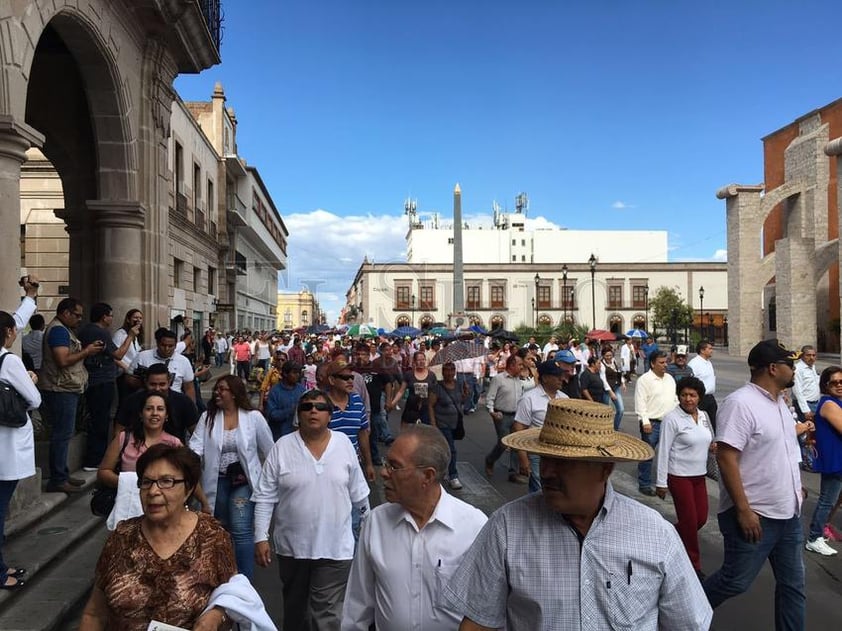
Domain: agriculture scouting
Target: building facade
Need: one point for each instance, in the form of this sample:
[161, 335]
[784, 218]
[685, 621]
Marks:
[297, 309]
[783, 238]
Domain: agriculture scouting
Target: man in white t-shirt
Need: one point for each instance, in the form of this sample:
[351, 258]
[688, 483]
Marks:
[164, 353]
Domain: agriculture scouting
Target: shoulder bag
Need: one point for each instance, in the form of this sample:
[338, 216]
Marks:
[103, 497]
[12, 405]
[459, 431]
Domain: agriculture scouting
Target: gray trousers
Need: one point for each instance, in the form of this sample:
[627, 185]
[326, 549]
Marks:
[314, 591]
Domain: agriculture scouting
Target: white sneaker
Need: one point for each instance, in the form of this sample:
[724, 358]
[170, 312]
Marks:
[820, 546]
[89, 469]
[456, 485]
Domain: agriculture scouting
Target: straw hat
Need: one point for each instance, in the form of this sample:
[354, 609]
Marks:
[580, 430]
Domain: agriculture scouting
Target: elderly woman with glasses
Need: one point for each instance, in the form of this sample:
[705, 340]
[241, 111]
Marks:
[232, 438]
[309, 484]
[828, 459]
[164, 564]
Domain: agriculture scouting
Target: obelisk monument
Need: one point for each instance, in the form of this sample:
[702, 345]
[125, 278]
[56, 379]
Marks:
[458, 273]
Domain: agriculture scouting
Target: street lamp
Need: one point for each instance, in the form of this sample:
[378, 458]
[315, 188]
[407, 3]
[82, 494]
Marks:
[412, 304]
[711, 331]
[564, 293]
[701, 309]
[534, 315]
[646, 307]
[535, 300]
[592, 264]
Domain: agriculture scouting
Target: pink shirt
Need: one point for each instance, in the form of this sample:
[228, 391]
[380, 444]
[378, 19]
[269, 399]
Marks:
[762, 429]
[132, 453]
[242, 352]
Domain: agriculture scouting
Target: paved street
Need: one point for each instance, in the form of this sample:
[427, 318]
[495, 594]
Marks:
[756, 606]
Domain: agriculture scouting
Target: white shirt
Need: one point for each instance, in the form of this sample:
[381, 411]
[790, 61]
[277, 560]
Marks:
[17, 444]
[178, 366]
[683, 446]
[532, 407]
[806, 386]
[549, 346]
[703, 369]
[626, 354]
[118, 338]
[654, 396]
[220, 344]
[399, 570]
[311, 498]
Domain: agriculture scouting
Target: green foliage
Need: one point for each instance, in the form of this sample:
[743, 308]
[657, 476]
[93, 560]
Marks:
[543, 333]
[669, 311]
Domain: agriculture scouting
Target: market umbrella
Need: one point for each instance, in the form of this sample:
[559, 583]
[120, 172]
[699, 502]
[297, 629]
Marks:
[318, 329]
[503, 334]
[461, 349]
[404, 331]
[438, 331]
[637, 333]
[476, 328]
[362, 330]
[601, 335]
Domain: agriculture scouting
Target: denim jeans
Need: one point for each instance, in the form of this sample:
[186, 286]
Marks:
[644, 469]
[98, 399]
[503, 427]
[534, 473]
[220, 359]
[831, 486]
[7, 489]
[780, 543]
[619, 406]
[62, 417]
[447, 432]
[473, 387]
[235, 512]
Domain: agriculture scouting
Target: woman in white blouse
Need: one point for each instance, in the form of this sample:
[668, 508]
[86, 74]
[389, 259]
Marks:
[232, 439]
[17, 444]
[686, 439]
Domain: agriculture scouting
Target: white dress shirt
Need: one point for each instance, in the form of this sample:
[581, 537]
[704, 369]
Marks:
[703, 369]
[806, 386]
[683, 446]
[654, 396]
[532, 407]
[178, 365]
[399, 570]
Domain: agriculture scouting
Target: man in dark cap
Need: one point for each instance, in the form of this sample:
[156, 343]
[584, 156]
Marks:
[283, 400]
[760, 487]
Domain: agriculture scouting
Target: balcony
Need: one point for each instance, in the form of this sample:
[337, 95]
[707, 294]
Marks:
[212, 10]
[237, 212]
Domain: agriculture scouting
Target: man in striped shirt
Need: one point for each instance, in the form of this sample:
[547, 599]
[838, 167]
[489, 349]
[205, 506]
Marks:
[349, 415]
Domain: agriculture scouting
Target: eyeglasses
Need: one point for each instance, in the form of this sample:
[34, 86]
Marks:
[834, 383]
[344, 377]
[321, 406]
[392, 468]
[163, 483]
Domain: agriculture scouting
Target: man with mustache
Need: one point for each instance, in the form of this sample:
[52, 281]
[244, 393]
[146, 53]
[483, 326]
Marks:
[577, 555]
[760, 487]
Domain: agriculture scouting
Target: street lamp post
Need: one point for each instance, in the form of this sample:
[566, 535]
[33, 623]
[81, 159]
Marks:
[534, 316]
[646, 308]
[564, 293]
[535, 303]
[592, 264]
[412, 303]
[711, 331]
[701, 310]
[572, 304]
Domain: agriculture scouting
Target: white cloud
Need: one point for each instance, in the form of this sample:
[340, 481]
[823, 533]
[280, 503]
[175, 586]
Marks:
[720, 255]
[621, 205]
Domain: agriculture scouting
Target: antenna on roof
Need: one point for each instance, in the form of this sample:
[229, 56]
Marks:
[410, 209]
[521, 203]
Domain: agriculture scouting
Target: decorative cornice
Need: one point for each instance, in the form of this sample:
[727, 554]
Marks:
[834, 147]
[732, 190]
[17, 137]
[108, 213]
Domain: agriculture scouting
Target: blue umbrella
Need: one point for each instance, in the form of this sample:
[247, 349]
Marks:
[404, 331]
[476, 328]
[638, 333]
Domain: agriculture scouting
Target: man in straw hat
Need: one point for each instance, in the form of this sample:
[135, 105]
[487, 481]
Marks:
[760, 487]
[577, 555]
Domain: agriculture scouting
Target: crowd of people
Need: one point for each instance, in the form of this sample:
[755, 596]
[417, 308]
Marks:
[276, 467]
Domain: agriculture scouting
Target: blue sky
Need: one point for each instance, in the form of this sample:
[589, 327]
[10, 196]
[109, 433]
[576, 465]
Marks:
[607, 114]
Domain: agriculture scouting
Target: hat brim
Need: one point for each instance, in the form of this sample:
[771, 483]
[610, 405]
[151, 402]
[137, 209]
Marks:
[625, 448]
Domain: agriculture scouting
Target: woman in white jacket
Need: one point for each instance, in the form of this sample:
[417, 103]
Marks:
[232, 439]
[17, 444]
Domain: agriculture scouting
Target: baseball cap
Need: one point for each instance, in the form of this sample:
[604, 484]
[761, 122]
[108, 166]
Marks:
[681, 349]
[565, 356]
[335, 367]
[770, 352]
[550, 368]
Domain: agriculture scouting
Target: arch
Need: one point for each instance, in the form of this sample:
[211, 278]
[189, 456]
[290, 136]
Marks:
[474, 319]
[639, 321]
[615, 323]
[497, 321]
[402, 320]
[426, 321]
[545, 319]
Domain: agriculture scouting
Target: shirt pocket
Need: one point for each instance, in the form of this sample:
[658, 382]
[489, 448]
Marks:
[633, 598]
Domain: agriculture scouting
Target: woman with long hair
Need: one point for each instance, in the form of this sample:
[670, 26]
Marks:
[17, 444]
[418, 381]
[233, 439]
[612, 373]
[131, 329]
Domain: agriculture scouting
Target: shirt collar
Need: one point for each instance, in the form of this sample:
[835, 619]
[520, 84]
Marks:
[444, 513]
[765, 392]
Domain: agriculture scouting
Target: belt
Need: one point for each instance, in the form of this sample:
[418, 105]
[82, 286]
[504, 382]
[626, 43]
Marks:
[504, 412]
[654, 420]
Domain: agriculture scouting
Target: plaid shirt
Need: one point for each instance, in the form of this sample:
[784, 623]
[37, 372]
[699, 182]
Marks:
[528, 570]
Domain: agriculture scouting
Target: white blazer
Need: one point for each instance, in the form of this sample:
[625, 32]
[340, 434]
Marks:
[253, 435]
[17, 444]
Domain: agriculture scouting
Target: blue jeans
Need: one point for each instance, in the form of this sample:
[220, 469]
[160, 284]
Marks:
[828, 495]
[235, 512]
[447, 432]
[98, 399]
[472, 397]
[644, 469]
[7, 489]
[62, 417]
[781, 544]
[503, 427]
[619, 406]
[220, 359]
[534, 473]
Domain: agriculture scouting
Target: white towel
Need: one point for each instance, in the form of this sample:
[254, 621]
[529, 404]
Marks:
[242, 604]
[127, 503]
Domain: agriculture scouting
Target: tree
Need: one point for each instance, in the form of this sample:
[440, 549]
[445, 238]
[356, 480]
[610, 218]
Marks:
[670, 313]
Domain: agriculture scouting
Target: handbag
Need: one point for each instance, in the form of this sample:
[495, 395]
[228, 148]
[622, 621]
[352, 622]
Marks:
[236, 475]
[459, 431]
[103, 497]
[12, 406]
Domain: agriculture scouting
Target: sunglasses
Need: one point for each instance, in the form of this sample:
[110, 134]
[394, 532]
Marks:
[835, 382]
[344, 377]
[306, 406]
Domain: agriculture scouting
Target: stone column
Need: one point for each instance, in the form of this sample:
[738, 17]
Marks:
[746, 278]
[834, 148]
[81, 255]
[119, 253]
[15, 139]
[795, 291]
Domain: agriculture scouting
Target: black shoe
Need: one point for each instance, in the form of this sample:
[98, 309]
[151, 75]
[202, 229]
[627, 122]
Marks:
[16, 585]
[647, 490]
[63, 488]
[76, 481]
[15, 573]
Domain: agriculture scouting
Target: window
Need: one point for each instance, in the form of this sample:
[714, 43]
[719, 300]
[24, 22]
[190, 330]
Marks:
[197, 183]
[514, 241]
[523, 242]
[474, 296]
[450, 241]
[544, 297]
[402, 300]
[211, 201]
[178, 273]
[498, 296]
[197, 280]
[305, 317]
[514, 258]
[179, 168]
[402, 321]
[212, 281]
[615, 296]
[639, 296]
[427, 302]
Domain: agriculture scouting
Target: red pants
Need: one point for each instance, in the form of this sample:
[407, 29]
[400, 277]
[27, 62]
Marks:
[690, 496]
